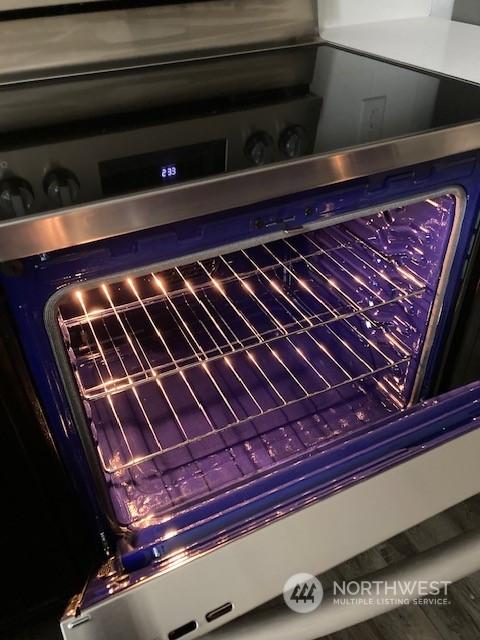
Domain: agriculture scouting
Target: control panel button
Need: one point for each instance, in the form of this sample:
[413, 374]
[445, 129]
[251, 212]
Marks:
[16, 198]
[259, 148]
[62, 187]
[293, 142]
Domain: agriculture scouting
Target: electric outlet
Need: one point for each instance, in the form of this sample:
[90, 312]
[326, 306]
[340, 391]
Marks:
[373, 116]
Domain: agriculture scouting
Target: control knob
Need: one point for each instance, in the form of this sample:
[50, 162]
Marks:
[292, 142]
[16, 197]
[259, 148]
[62, 187]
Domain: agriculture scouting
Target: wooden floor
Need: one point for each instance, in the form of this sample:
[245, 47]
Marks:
[458, 621]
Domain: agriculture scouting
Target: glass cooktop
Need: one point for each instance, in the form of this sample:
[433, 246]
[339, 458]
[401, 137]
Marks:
[72, 140]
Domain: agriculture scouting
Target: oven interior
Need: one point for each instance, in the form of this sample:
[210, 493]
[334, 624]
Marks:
[207, 375]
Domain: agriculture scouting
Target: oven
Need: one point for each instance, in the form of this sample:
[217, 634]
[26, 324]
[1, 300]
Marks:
[241, 371]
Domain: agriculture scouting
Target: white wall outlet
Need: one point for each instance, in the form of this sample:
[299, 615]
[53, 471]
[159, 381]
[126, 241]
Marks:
[372, 118]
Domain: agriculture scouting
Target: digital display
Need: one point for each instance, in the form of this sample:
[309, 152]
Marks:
[169, 172]
[161, 168]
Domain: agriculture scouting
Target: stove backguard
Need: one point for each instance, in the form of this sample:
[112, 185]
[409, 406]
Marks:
[206, 373]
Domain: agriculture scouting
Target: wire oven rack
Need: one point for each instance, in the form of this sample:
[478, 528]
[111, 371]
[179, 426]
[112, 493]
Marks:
[201, 348]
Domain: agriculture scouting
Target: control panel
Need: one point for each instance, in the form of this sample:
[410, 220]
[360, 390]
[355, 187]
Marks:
[61, 174]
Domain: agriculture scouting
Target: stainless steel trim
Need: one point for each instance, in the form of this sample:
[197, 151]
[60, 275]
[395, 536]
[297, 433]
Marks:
[71, 389]
[64, 45]
[252, 569]
[54, 230]
[102, 72]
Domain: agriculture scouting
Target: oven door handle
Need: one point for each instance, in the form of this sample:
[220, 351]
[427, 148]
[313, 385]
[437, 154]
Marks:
[447, 562]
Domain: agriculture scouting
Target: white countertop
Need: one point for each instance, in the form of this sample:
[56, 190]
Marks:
[436, 44]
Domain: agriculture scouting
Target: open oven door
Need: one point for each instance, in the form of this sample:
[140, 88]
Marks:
[344, 499]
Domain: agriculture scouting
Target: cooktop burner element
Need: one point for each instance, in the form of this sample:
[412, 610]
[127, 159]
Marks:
[84, 138]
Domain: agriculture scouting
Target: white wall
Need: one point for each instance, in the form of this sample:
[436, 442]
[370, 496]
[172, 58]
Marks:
[333, 13]
[338, 12]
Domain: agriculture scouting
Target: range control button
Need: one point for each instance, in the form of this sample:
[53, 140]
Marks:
[16, 198]
[293, 142]
[62, 187]
[259, 148]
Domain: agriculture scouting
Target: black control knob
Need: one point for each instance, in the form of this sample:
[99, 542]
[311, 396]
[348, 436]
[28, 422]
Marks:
[259, 148]
[16, 197]
[62, 187]
[293, 142]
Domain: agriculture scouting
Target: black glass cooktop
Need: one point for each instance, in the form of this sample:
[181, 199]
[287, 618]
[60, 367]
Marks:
[97, 135]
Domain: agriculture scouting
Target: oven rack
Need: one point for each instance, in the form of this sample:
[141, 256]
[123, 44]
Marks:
[347, 244]
[179, 291]
[245, 387]
[203, 423]
[113, 385]
[265, 308]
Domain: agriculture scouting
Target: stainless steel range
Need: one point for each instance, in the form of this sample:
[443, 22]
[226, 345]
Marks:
[234, 282]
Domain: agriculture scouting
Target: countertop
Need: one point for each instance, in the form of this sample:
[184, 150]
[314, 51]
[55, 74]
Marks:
[435, 44]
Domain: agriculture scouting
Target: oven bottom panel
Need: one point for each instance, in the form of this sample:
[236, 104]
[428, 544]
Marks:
[204, 377]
